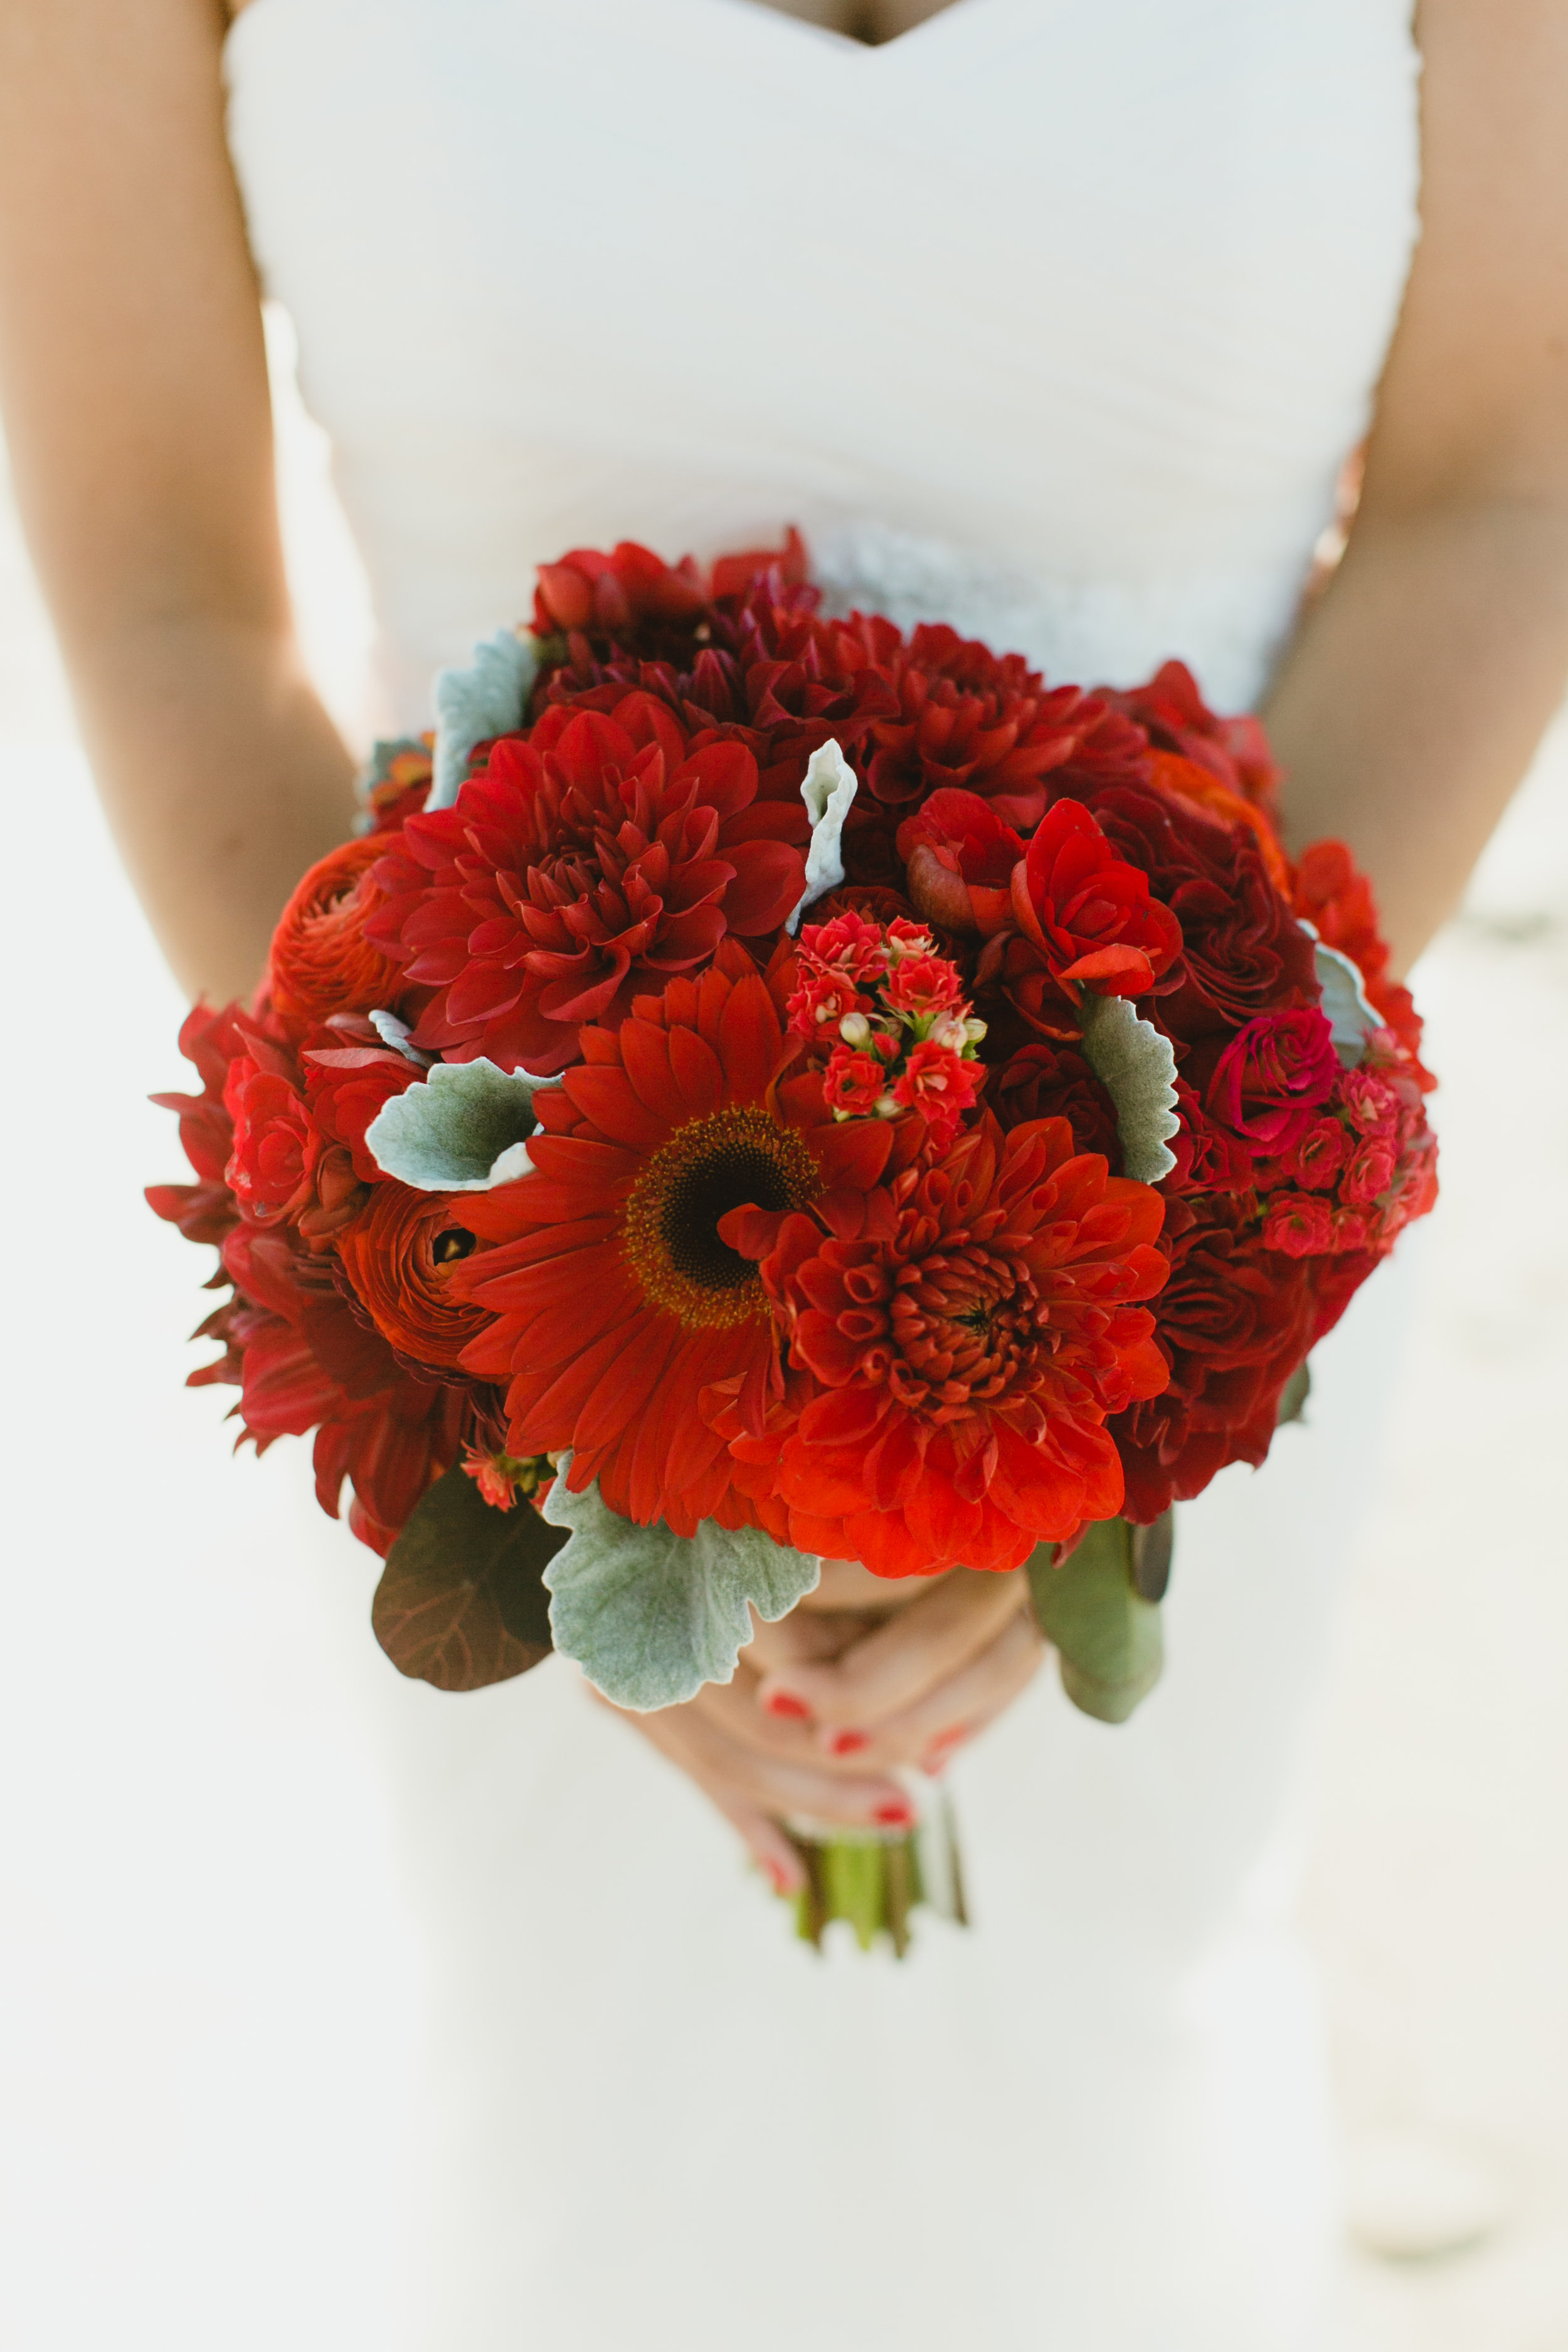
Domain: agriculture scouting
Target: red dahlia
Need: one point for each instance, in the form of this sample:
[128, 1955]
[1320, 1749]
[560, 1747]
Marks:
[957, 1337]
[598, 856]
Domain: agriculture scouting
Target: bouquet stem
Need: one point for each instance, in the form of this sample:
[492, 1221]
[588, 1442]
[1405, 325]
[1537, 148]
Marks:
[875, 1878]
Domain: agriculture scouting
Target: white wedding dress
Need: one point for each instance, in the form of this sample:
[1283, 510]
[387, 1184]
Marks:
[1055, 317]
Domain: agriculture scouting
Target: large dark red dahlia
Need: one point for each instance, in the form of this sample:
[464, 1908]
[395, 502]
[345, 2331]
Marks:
[957, 1335]
[600, 856]
[616, 1301]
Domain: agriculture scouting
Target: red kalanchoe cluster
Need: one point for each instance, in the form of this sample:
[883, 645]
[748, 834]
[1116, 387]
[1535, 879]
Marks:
[891, 1016]
[843, 1235]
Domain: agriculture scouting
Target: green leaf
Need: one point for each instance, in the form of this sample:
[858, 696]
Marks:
[462, 1130]
[1137, 1067]
[461, 1602]
[651, 1616]
[1109, 1641]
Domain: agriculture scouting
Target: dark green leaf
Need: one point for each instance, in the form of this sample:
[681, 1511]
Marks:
[460, 1602]
[1109, 1641]
[1153, 1550]
[1293, 1395]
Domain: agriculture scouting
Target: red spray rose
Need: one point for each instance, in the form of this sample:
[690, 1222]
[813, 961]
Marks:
[1271, 1077]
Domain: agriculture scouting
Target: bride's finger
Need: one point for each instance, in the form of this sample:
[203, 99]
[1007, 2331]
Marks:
[894, 1666]
[951, 1712]
[726, 1769]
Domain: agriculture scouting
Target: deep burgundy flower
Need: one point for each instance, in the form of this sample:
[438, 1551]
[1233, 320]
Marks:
[1244, 951]
[596, 858]
[1234, 1322]
[1274, 1073]
[1041, 1081]
[1235, 750]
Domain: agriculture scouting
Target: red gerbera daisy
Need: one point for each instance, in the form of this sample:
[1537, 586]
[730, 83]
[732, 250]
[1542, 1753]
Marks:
[616, 1301]
[957, 1337]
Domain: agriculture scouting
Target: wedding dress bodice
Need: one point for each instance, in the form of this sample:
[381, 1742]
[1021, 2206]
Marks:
[1053, 317]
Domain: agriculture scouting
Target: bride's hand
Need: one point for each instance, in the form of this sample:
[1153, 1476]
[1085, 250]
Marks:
[864, 1676]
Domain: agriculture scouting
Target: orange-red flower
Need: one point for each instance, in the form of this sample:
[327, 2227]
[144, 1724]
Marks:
[616, 1302]
[400, 1256]
[957, 1337]
[1086, 913]
[322, 962]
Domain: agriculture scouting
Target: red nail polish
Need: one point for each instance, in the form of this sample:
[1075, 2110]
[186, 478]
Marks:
[849, 1743]
[784, 1703]
[942, 1740]
[895, 1817]
[778, 1876]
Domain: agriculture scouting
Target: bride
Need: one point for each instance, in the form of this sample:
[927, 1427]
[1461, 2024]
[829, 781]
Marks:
[1054, 320]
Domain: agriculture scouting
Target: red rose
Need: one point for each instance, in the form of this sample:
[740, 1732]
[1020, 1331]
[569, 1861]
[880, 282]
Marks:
[1298, 1223]
[1319, 1155]
[1053, 1082]
[1272, 1076]
[1086, 912]
[1233, 1321]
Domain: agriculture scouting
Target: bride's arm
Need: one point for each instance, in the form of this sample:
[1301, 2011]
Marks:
[136, 407]
[1411, 702]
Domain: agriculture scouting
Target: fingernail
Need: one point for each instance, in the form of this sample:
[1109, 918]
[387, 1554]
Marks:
[895, 1817]
[952, 1738]
[777, 1873]
[784, 1703]
[849, 1743]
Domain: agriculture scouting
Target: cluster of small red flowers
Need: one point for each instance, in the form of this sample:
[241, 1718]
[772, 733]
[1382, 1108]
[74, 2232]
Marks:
[830, 1236]
[891, 1016]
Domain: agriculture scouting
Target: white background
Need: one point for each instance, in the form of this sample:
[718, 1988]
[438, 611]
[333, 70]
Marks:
[202, 2098]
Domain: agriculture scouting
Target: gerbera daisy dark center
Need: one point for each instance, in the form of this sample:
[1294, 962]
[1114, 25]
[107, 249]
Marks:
[732, 1159]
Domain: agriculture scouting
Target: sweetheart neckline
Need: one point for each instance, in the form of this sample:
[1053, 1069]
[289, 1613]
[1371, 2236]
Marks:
[847, 44]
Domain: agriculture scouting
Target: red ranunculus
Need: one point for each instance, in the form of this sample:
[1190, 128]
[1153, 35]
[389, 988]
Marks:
[322, 960]
[400, 1255]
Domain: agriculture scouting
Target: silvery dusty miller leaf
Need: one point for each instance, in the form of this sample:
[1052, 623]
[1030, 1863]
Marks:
[1137, 1068]
[827, 792]
[464, 1128]
[651, 1616]
[489, 698]
[1345, 1006]
[461, 1600]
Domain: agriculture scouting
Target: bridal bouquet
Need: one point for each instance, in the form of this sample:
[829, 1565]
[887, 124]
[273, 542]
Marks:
[764, 1086]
